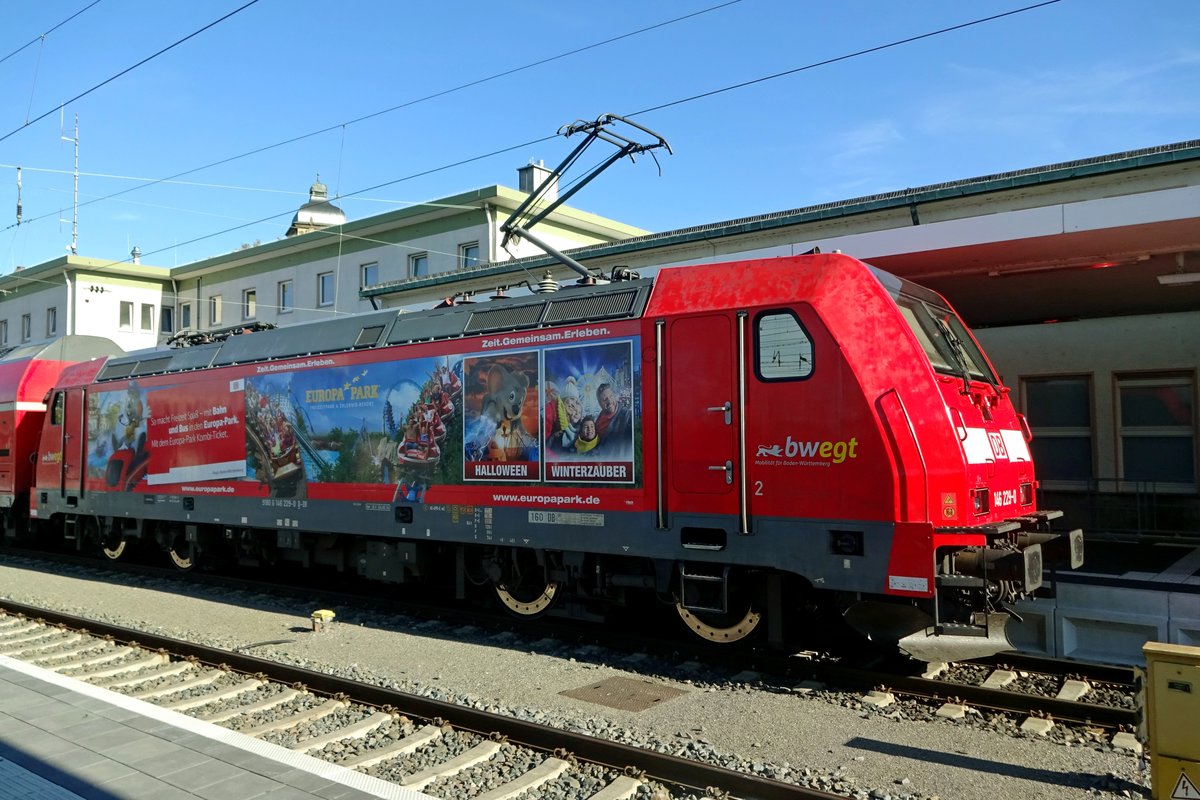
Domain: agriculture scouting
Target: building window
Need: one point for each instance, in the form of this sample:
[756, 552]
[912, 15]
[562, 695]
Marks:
[214, 310]
[166, 316]
[784, 349]
[147, 317]
[285, 297]
[26, 328]
[125, 323]
[1059, 411]
[51, 321]
[185, 316]
[1157, 429]
[418, 265]
[370, 274]
[468, 255]
[325, 289]
[249, 303]
[3, 331]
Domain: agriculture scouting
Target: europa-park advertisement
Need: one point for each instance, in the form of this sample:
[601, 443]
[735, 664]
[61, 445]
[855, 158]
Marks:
[549, 415]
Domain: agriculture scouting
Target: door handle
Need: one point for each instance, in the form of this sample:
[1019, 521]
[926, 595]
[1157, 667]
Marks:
[727, 468]
[727, 408]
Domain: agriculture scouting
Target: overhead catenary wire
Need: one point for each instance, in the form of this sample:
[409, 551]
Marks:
[844, 57]
[202, 185]
[127, 70]
[33, 83]
[262, 220]
[42, 36]
[692, 98]
[409, 103]
[648, 110]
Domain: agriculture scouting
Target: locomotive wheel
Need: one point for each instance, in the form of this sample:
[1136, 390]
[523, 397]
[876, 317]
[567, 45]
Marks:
[182, 553]
[717, 627]
[528, 601]
[113, 545]
[520, 582]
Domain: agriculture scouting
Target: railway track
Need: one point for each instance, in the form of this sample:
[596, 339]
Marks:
[1054, 691]
[442, 749]
[1094, 695]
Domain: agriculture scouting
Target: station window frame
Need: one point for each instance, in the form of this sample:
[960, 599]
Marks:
[284, 297]
[1060, 429]
[368, 274]
[803, 372]
[418, 265]
[468, 255]
[1130, 432]
[326, 289]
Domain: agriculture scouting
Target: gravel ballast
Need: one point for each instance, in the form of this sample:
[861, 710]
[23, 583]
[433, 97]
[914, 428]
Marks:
[823, 739]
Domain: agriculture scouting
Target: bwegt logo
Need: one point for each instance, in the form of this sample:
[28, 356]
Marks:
[835, 452]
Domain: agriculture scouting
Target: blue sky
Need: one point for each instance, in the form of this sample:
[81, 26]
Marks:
[1073, 79]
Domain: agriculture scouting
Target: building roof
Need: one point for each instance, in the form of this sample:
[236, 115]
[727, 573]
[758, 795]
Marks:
[44, 272]
[363, 233]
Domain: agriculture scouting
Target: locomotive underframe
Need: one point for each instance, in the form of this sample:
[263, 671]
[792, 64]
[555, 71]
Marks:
[722, 581]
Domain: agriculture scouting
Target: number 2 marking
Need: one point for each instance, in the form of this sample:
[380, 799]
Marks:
[758, 487]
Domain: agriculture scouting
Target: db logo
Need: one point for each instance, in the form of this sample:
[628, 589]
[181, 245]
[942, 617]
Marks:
[997, 445]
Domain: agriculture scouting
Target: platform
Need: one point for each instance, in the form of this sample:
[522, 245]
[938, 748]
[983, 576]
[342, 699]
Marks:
[62, 739]
[1124, 596]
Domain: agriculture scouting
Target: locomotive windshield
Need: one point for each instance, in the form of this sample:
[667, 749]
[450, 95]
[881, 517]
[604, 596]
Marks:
[944, 339]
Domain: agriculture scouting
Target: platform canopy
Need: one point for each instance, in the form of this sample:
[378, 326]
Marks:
[1112, 235]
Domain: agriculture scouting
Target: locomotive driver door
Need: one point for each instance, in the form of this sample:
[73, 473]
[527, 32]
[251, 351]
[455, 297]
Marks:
[74, 439]
[701, 422]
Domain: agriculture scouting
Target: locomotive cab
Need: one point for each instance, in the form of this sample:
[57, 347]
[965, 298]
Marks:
[991, 544]
[27, 374]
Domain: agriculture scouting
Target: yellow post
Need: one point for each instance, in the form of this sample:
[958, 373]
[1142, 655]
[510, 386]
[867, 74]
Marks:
[1172, 720]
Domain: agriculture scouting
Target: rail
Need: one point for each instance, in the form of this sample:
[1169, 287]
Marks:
[659, 766]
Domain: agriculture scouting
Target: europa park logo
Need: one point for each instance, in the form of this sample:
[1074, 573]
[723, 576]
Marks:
[809, 452]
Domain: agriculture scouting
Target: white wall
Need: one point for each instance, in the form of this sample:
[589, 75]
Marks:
[34, 300]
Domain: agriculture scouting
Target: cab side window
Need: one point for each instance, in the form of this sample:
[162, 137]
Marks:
[56, 413]
[783, 349]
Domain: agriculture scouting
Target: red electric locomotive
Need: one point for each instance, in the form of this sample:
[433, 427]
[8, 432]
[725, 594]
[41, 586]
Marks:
[748, 441]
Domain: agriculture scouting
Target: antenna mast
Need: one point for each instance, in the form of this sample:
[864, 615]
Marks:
[74, 248]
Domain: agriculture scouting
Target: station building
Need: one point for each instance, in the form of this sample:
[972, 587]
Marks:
[315, 271]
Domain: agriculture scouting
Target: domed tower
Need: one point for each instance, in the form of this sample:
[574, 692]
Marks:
[317, 213]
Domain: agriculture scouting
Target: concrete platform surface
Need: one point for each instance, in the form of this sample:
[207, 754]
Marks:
[62, 739]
